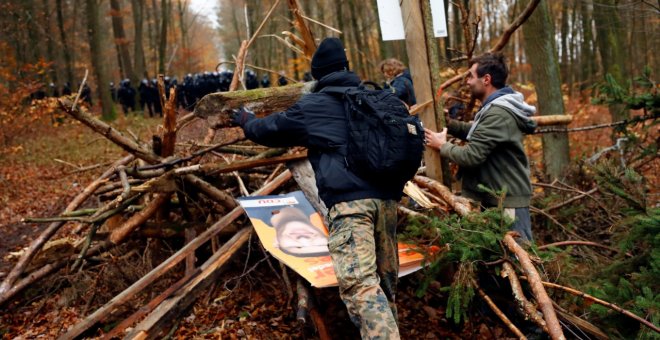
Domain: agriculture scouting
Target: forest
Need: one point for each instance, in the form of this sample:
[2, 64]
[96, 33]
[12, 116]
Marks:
[124, 175]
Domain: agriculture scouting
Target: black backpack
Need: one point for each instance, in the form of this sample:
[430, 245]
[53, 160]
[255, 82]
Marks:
[385, 142]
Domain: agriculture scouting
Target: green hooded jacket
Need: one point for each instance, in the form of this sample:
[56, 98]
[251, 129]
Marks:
[494, 155]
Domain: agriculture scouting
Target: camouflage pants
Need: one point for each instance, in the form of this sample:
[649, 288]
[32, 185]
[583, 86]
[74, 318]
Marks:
[365, 257]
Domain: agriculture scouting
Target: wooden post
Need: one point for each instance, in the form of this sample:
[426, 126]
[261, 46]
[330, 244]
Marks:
[434, 55]
[417, 47]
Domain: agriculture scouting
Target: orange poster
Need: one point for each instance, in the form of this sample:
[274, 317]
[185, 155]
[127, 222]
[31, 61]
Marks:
[294, 233]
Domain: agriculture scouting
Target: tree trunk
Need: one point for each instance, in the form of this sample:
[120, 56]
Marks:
[542, 54]
[162, 44]
[33, 46]
[182, 8]
[587, 57]
[610, 40]
[564, 41]
[50, 47]
[95, 46]
[121, 41]
[138, 53]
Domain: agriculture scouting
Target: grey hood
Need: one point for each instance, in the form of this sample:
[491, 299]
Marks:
[514, 103]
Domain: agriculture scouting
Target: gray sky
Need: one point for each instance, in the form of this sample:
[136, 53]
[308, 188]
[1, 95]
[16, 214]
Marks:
[207, 8]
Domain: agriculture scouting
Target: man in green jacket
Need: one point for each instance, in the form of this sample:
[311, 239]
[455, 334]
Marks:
[494, 155]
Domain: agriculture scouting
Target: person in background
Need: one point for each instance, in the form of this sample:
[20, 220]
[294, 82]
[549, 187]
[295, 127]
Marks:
[281, 80]
[494, 155]
[399, 80]
[113, 92]
[265, 81]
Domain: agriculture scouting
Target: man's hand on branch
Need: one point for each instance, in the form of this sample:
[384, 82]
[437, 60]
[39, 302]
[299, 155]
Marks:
[435, 140]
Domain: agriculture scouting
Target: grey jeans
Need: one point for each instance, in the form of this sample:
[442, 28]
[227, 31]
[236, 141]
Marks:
[522, 222]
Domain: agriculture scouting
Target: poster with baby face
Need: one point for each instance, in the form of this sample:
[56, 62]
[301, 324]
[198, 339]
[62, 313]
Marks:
[294, 233]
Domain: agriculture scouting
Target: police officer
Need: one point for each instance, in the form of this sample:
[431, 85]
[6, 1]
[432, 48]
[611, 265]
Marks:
[251, 81]
[265, 81]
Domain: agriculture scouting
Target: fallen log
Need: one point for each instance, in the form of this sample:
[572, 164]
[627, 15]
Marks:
[460, 204]
[263, 102]
[260, 101]
[542, 298]
[526, 308]
[152, 325]
[111, 306]
[36, 245]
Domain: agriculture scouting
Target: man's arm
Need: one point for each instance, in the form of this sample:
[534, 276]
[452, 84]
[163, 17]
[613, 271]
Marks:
[458, 129]
[282, 129]
[492, 130]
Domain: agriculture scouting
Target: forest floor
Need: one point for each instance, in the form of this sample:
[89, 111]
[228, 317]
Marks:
[246, 303]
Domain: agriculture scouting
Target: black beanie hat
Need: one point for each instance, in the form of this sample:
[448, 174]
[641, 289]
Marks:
[329, 57]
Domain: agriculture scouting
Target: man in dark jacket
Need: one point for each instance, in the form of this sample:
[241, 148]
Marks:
[494, 155]
[362, 216]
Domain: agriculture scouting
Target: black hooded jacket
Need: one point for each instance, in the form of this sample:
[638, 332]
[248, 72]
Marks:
[318, 121]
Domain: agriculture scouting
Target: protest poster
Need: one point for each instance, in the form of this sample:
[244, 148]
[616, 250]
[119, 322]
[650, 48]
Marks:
[293, 232]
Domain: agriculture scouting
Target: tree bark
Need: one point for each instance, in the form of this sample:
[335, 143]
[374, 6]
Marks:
[541, 51]
[587, 57]
[138, 49]
[50, 44]
[162, 44]
[98, 62]
[542, 298]
[610, 40]
[121, 41]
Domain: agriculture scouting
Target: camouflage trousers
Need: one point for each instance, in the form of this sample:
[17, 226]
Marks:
[365, 257]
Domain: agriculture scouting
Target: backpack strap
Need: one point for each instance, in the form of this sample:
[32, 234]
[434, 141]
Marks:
[336, 89]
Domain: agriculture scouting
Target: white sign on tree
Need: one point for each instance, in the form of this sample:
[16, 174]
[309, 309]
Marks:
[391, 21]
[439, 19]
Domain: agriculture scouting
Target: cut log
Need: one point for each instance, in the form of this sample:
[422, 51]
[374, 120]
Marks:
[111, 306]
[534, 279]
[36, 245]
[261, 101]
[171, 308]
[552, 120]
[460, 204]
